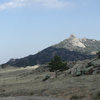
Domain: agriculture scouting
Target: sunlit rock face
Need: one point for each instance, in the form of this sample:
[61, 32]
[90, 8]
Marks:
[74, 41]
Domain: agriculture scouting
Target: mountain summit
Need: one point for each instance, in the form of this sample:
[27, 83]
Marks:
[71, 43]
[74, 41]
[72, 36]
[70, 49]
[84, 45]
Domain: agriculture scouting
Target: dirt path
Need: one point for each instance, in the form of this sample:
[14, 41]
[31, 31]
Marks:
[27, 98]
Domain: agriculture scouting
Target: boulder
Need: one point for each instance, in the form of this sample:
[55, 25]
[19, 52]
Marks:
[46, 78]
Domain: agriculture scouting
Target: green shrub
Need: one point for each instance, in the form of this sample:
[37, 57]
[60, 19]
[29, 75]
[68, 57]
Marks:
[56, 64]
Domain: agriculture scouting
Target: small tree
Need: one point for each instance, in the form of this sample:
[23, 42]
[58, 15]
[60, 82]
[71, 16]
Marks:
[98, 54]
[56, 65]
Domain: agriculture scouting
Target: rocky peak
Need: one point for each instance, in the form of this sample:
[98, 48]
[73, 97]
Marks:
[83, 39]
[74, 41]
[72, 36]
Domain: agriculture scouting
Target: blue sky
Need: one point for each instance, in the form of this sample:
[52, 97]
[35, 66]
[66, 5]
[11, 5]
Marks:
[28, 26]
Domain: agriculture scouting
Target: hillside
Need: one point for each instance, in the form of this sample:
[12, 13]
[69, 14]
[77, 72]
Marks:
[71, 49]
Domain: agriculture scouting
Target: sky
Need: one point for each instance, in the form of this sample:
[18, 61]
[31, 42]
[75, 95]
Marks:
[29, 26]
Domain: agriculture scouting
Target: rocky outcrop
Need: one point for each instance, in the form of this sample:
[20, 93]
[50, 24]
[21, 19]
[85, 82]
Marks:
[85, 68]
[74, 41]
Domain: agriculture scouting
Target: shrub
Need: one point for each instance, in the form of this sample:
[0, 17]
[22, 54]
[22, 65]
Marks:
[57, 64]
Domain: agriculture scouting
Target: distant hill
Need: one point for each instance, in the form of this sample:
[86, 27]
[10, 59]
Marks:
[71, 49]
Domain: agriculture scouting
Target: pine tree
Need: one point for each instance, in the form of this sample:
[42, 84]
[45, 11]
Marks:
[56, 65]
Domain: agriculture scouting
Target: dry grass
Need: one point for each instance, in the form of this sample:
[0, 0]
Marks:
[23, 82]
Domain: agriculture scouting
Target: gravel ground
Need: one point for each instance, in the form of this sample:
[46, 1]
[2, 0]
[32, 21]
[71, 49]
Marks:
[27, 98]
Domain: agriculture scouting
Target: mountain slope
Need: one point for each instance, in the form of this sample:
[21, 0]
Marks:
[70, 49]
[46, 55]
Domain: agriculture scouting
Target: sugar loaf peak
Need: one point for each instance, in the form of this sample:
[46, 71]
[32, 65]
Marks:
[84, 45]
[73, 41]
[70, 49]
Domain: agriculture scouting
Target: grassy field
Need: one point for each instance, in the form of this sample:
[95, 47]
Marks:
[27, 82]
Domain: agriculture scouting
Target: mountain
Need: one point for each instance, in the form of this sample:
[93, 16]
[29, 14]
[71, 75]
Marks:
[71, 49]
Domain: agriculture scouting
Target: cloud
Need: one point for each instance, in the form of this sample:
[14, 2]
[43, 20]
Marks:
[11, 4]
[43, 3]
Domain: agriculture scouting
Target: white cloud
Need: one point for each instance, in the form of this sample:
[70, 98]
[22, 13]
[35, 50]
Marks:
[11, 4]
[43, 3]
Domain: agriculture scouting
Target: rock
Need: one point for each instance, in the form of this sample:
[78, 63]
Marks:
[46, 78]
[89, 70]
[76, 42]
[96, 72]
[68, 71]
[96, 63]
[85, 68]
[78, 69]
